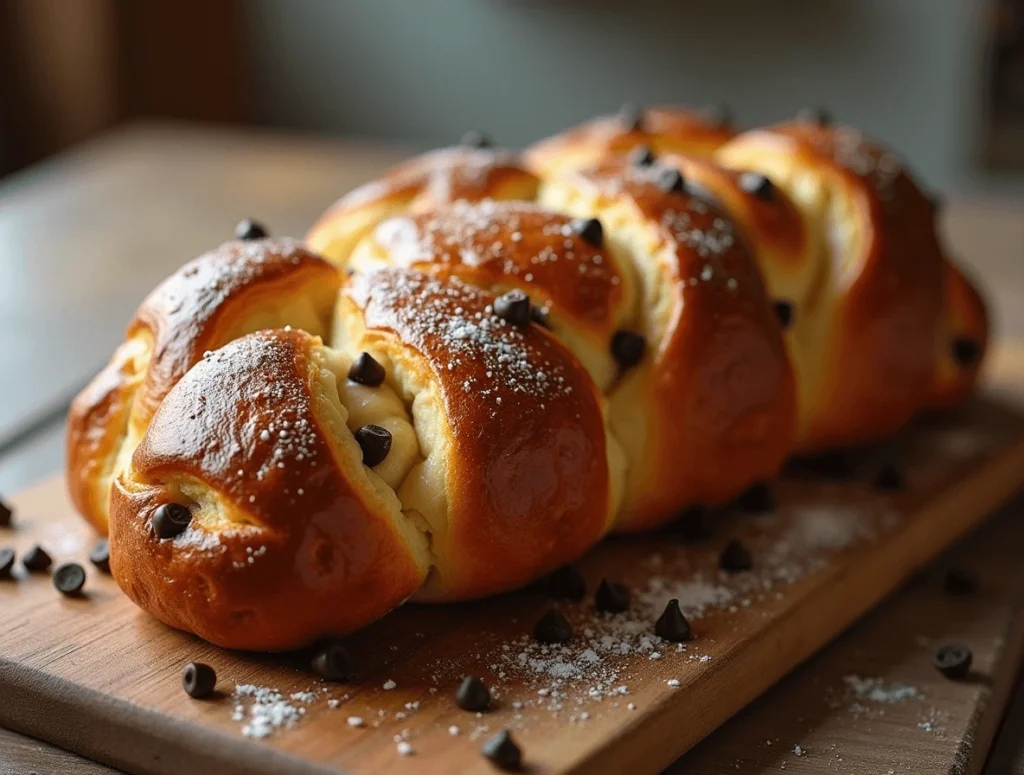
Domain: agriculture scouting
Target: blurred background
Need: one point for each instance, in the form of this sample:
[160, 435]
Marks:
[941, 80]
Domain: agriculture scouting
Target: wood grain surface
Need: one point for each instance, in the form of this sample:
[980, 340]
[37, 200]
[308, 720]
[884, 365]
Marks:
[831, 551]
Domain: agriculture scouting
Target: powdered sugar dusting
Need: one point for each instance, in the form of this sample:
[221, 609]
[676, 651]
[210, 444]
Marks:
[266, 711]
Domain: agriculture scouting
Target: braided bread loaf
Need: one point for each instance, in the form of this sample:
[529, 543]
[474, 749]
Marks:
[518, 357]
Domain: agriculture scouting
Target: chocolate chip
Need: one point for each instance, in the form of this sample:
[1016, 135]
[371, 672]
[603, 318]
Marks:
[250, 230]
[817, 116]
[611, 597]
[694, 525]
[513, 307]
[627, 348]
[758, 185]
[632, 117]
[953, 660]
[474, 138]
[784, 312]
[473, 695]
[735, 558]
[757, 499]
[671, 181]
[100, 555]
[503, 752]
[332, 662]
[889, 478]
[552, 628]
[966, 352]
[589, 229]
[69, 578]
[375, 442]
[7, 557]
[5, 515]
[566, 583]
[641, 156]
[672, 625]
[36, 559]
[365, 370]
[170, 520]
[959, 582]
[539, 315]
[198, 680]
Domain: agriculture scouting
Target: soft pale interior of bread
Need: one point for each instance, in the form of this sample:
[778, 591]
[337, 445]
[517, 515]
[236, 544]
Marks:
[651, 263]
[834, 230]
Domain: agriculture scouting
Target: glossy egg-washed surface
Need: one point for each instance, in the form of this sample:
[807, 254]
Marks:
[527, 478]
[501, 245]
[716, 387]
[431, 179]
[877, 368]
[200, 307]
[661, 129]
[305, 548]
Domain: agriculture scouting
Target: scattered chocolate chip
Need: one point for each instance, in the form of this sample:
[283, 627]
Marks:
[539, 315]
[503, 752]
[672, 625]
[249, 230]
[7, 557]
[375, 442]
[513, 307]
[36, 560]
[735, 558]
[671, 181]
[198, 680]
[473, 695]
[170, 520]
[837, 464]
[5, 515]
[332, 662]
[566, 583]
[589, 229]
[365, 370]
[757, 499]
[694, 525]
[627, 348]
[553, 628]
[757, 184]
[632, 117]
[818, 116]
[611, 597]
[953, 660]
[641, 156]
[889, 478]
[966, 352]
[69, 578]
[784, 312]
[100, 555]
[959, 582]
[474, 138]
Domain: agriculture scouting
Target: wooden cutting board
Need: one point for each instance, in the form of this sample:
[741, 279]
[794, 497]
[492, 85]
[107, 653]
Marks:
[97, 676]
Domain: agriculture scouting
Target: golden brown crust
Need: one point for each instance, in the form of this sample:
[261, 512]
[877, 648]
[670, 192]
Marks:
[432, 179]
[502, 245]
[526, 479]
[715, 394]
[881, 297]
[662, 129]
[304, 550]
[211, 300]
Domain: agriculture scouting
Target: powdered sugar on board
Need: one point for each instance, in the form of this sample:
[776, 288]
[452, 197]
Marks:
[611, 656]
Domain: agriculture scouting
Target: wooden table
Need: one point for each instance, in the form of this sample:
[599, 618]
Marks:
[85, 236]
